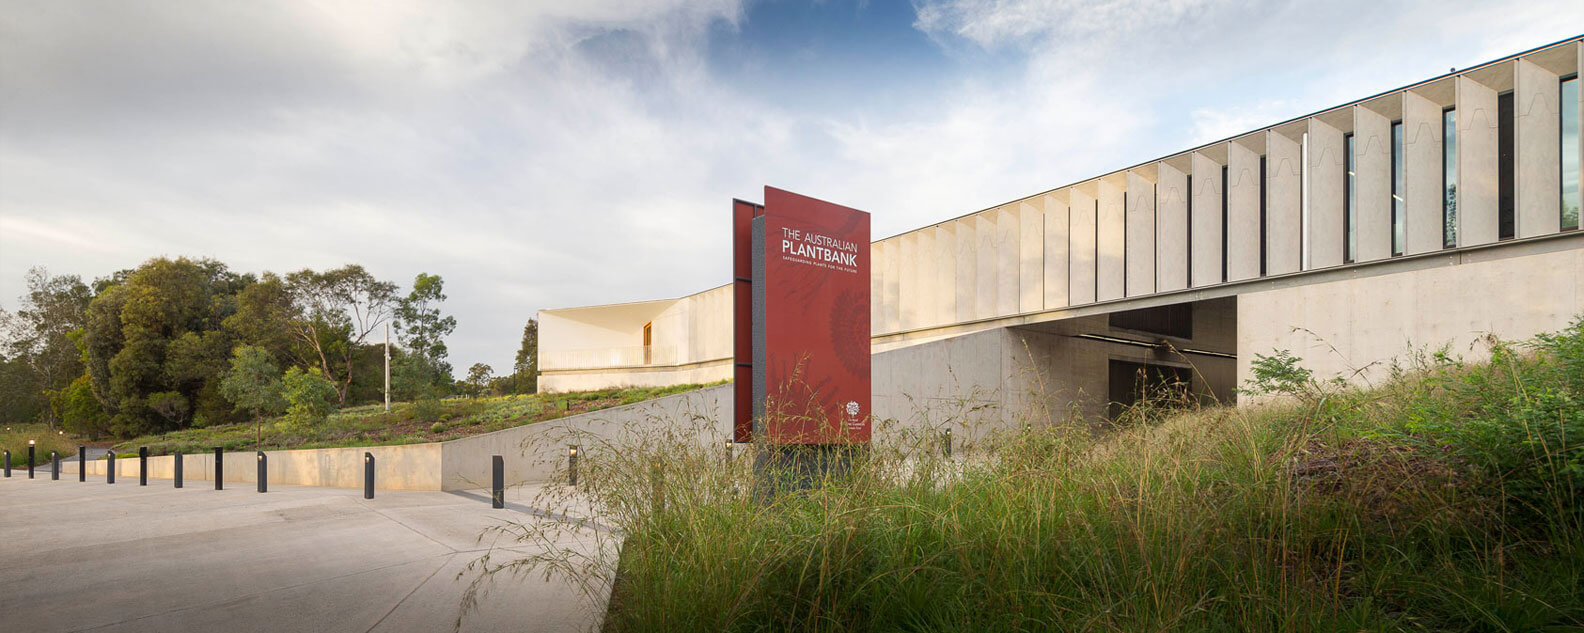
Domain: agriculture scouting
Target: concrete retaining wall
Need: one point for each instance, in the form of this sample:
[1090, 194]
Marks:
[405, 467]
[537, 452]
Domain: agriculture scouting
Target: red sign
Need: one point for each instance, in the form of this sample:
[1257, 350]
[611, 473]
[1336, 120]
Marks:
[810, 314]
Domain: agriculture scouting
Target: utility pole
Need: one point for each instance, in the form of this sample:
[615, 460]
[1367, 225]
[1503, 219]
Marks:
[387, 366]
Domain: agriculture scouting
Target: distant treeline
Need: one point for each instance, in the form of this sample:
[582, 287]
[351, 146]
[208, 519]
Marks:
[176, 343]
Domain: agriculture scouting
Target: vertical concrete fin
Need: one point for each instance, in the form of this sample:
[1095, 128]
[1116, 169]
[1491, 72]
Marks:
[1171, 228]
[1057, 246]
[1537, 152]
[1082, 243]
[1327, 187]
[1372, 163]
[967, 298]
[1112, 243]
[1205, 220]
[1478, 140]
[907, 284]
[1243, 212]
[1423, 228]
[1283, 204]
[1031, 255]
[1140, 235]
[1008, 254]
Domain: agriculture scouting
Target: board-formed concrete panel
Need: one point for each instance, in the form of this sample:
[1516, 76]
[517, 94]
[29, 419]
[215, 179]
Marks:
[1204, 218]
[1478, 138]
[1171, 229]
[1339, 335]
[1111, 266]
[986, 288]
[1083, 211]
[877, 307]
[1537, 166]
[1031, 256]
[908, 286]
[1372, 163]
[1283, 204]
[1327, 185]
[1140, 235]
[945, 272]
[1243, 213]
[967, 232]
[1008, 269]
[1423, 228]
[891, 262]
[924, 274]
[1057, 227]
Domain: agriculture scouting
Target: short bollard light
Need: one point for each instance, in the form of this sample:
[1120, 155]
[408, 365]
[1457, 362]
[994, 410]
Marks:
[368, 475]
[110, 467]
[8, 463]
[142, 465]
[219, 469]
[178, 468]
[497, 482]
[572, 460]
[263, 472]
[947, 444]
[82, 463]
[54, 466]
[30, 459]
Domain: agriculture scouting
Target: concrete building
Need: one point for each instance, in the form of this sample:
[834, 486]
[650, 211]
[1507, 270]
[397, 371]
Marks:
[1424, 216]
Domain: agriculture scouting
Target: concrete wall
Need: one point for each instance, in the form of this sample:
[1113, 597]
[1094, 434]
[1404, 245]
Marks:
[405, 467]
[537, 452]
[1372, 320]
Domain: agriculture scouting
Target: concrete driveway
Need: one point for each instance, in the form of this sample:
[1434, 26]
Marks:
[92, 556]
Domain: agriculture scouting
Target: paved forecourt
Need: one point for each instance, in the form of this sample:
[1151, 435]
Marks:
[91, 556]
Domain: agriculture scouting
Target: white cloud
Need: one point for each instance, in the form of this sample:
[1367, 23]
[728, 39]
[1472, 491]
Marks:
[551, 154]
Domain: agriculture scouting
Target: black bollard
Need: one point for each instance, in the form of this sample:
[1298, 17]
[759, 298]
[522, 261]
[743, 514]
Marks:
[948, 443]
[263, 473]
[30, 459]
[8, 463]
[368, 475]
[572, 459]
[142, 465]
[219, 469]
[82, 463]
[54, 466]
[498, 483]
[178, 465]
[110, 467]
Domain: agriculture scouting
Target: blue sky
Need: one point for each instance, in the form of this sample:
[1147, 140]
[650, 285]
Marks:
[545, 154]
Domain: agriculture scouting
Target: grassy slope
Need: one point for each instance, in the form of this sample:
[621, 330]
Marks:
[1447, 500]
[14, 438]
[406, 423]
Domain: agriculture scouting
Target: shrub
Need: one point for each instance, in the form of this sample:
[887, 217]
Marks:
[1280, 374]
[309, 396]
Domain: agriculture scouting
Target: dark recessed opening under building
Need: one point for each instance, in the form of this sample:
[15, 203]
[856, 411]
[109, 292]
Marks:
[1130, 383]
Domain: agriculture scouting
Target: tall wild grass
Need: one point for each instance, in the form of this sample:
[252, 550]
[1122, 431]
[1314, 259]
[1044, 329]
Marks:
[1446, 499]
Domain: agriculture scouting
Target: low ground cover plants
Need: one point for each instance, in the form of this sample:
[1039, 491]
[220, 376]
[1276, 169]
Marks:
[1445, 499]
